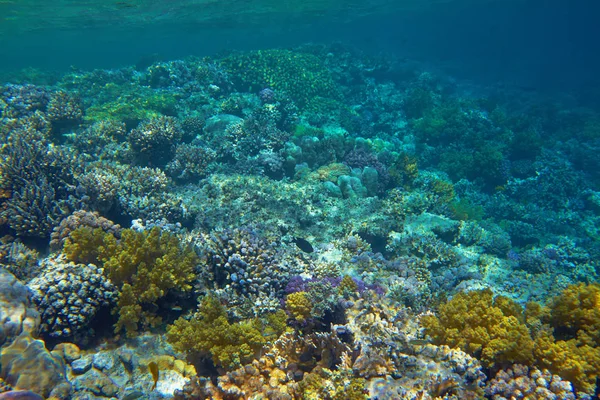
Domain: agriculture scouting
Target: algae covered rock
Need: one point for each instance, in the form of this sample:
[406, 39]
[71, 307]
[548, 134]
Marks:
[17, 313]
[27, 365]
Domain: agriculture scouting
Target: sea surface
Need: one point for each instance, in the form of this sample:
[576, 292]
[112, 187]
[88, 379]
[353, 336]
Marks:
[258, 199]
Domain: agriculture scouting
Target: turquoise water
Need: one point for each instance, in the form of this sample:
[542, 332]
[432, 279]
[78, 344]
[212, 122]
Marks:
[299, 200]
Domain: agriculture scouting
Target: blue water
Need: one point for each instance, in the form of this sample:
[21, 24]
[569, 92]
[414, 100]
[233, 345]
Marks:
[533, 43]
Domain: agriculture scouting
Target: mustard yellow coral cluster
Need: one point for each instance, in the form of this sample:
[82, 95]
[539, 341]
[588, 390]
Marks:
[563, 337]
[144, 265]
[491, 329]
[299, 305]
[230, 345]
[571, 348]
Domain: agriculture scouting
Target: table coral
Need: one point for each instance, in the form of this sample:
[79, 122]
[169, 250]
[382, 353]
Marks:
[301, 75]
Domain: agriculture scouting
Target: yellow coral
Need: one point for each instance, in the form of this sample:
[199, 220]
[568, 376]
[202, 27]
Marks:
[299, 305]
[490, 329]
[229, 344]
[85, 245]
[576, 362]
[577, 309]
[575, 316]
[144, 265]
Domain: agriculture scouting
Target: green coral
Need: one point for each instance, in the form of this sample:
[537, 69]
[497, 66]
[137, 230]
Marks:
[491, 329]
[301, 76]
[229, 344]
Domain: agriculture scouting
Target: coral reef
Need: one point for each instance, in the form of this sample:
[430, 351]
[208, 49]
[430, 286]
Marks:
[153, 140]
[209, 332]
[146, 265]
[42, 181]
[78, 219]
[301, 75]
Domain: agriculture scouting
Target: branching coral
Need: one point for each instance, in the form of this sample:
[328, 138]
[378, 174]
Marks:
[42, 181]
[153, 141]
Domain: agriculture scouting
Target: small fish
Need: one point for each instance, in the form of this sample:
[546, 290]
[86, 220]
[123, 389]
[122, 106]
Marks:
[418, 342]
[20, 395]
[303, 244]
[153, 367]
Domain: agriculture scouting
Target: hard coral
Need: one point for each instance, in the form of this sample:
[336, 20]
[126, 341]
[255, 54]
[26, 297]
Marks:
[302, 76]
[491, 329]
[153, 141]
[80, 219]
[520, 381]
[69, 296]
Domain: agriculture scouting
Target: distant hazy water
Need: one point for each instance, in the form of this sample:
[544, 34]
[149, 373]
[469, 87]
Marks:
[533, 43]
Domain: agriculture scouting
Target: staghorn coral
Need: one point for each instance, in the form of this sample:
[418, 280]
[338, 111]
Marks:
[69, 295]
[520, 382]
[491, 329]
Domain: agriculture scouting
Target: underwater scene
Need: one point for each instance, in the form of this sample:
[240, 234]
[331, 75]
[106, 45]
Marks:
[255, 199]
